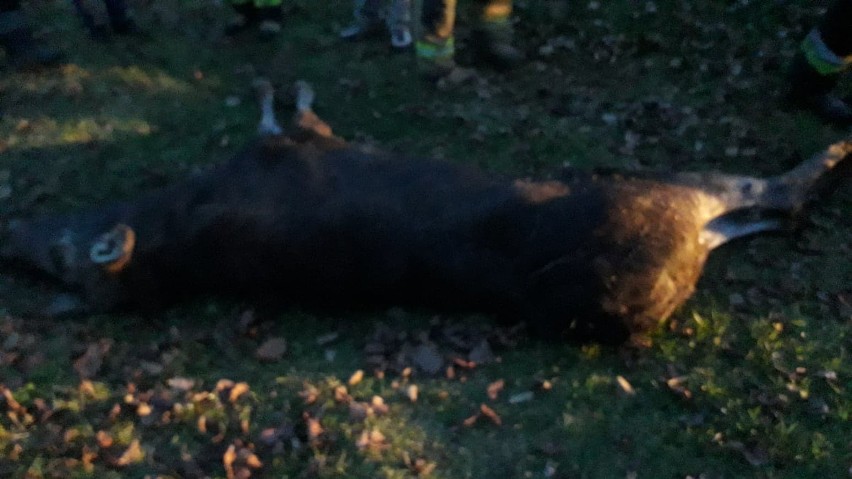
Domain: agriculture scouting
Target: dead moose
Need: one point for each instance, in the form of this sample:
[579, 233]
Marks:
[307, 218]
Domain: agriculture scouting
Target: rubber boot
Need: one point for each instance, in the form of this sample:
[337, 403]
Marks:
[492, 37]
[824, 54]
[813, 91]
[270, 22]
[399, 24]
[435, 57]
[435, 49]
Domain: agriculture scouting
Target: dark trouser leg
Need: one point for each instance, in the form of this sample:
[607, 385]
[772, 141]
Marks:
[366, 20]
[492, 35]
[836, 28]
[438, 18]
[118, 17]
[436, 46]
[399, 23]
[246, 16]
[825, 53]
[368, 10]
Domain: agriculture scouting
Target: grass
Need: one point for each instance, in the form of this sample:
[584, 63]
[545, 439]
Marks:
[750, 379]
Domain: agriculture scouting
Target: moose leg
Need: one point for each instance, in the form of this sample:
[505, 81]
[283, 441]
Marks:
[308, 122]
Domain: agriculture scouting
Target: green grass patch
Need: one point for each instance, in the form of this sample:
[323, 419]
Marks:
[750, 379]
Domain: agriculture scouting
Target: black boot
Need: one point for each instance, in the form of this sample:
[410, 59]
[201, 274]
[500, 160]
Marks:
[492, 44]
[119, 19]
[245, 18]
[812, 91]
[21, 48]
[270, 22]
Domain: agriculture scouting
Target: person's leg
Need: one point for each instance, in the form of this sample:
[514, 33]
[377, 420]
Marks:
[119, 18]
[492, 35]
[824, 55]
[399, 23]
[366, 20]
[436, 46]
[246, 16]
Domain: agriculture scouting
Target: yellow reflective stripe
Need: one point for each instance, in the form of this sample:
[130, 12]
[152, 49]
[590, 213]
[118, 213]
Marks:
[497, 12]
[435, 51]
[820, 57]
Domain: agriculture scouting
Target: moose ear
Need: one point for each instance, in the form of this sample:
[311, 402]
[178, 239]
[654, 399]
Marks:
[113, 249]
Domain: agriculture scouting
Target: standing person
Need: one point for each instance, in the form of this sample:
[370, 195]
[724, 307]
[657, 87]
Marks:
[94, 19]
[16, 38]
[824, 55]
[368, 20]
[263, 14]
[491, 36]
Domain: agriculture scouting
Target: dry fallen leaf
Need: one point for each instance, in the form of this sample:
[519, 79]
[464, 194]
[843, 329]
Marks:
[309, 394]
[372, 439]
[315, 429]
[341, 394]
[228, 461]
[143, 409]
[420, 467]
[676, 384]
[252, 460]
[471, 420]
[464, 364]
[87, 458]
[272, 349]
[356, 377]
[11, 403]
[495, 388]
[412, 392]
[238, 390]
[490, 414]
[132, 455]
[223, 384]
[625, 386]
[377, 403]
[104, 439]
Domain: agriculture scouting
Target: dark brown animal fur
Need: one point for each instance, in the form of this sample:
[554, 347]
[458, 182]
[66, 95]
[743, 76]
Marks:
[307, 218]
